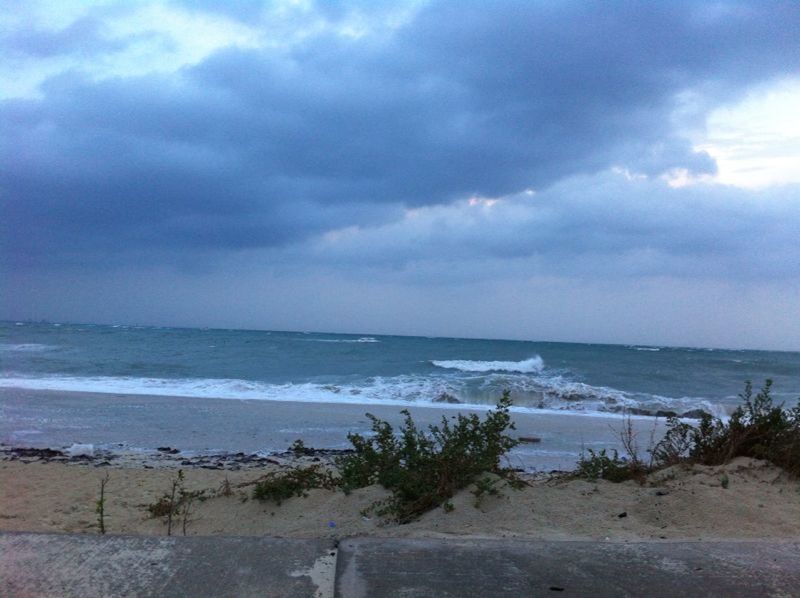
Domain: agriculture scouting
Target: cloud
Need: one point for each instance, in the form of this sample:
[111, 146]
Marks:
[84, 36]
[357, 145]
[599, 226]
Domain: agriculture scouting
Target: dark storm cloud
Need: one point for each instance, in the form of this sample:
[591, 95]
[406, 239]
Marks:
[265, 148]
[598, 226]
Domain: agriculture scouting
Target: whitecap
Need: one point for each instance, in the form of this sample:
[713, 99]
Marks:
[526, 366]
[363, 339]
[26, 347]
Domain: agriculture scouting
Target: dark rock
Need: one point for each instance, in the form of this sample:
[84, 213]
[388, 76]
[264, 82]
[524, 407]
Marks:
[446, 398]
[529, 439]
[45, 453]
[572, 396]
[168, 450]
[623, 514]
[666, 413]
[694, 414]
[636, 411]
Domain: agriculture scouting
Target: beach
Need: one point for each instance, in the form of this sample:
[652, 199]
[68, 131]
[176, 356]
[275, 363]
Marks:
[79, 402]
[755, 501]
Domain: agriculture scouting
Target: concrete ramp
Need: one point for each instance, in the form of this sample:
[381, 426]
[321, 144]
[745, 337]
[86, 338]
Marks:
[34, 565]
[463, 568]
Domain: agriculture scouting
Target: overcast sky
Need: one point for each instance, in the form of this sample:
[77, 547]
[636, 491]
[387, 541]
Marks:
[624, 172]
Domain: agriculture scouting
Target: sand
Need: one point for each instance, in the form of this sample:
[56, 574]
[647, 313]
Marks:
[758, 501]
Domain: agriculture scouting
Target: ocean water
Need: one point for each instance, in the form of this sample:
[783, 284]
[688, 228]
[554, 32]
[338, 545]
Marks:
[256, 391]
[390, 370]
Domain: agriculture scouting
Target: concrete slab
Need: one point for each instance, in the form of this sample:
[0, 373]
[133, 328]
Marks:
[433, 567]
[87, 565]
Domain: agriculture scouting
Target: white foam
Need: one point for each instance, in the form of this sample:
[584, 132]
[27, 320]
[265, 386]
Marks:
[532, 394]
[81, 450]
[363, 339]
[400, 390]
[16, 434]
[526, 366]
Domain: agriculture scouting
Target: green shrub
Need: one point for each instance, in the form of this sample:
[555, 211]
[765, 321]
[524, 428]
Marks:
[485, 487]
[601, 465]
[283, 485]
[299, 449]
[424, 470]
[757, 429]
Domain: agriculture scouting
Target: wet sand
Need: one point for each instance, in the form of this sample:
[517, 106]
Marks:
[57, 419]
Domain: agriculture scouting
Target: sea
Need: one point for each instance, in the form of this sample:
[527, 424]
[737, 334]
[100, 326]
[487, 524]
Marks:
[268, 367]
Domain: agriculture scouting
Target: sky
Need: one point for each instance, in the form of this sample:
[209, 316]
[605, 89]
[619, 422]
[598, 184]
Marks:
[620, 172]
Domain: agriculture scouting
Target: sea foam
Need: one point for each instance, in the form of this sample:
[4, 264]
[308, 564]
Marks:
[530, 391]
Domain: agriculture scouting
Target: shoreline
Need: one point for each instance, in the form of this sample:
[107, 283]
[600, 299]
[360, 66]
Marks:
[203, 426]
[355, 401]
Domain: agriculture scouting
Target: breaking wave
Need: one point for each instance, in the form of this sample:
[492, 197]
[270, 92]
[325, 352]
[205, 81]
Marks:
[446, 390]
[527, 366]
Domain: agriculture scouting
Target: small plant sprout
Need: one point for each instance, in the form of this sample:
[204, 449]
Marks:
[100, 506]
[225, 488]
[167, 506]
[177, 501]
[485, 487]
[299, 449]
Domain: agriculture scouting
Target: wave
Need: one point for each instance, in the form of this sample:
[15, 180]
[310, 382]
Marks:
[526, 366]
[647, 348]
[394, 390]
[26, 347]
[363, 339]
[529, 393]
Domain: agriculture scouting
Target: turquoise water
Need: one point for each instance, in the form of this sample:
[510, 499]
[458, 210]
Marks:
[364, 369]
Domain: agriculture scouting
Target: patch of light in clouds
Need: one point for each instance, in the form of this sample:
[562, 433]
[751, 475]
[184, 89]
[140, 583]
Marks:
[188, 38]
[756, 142]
